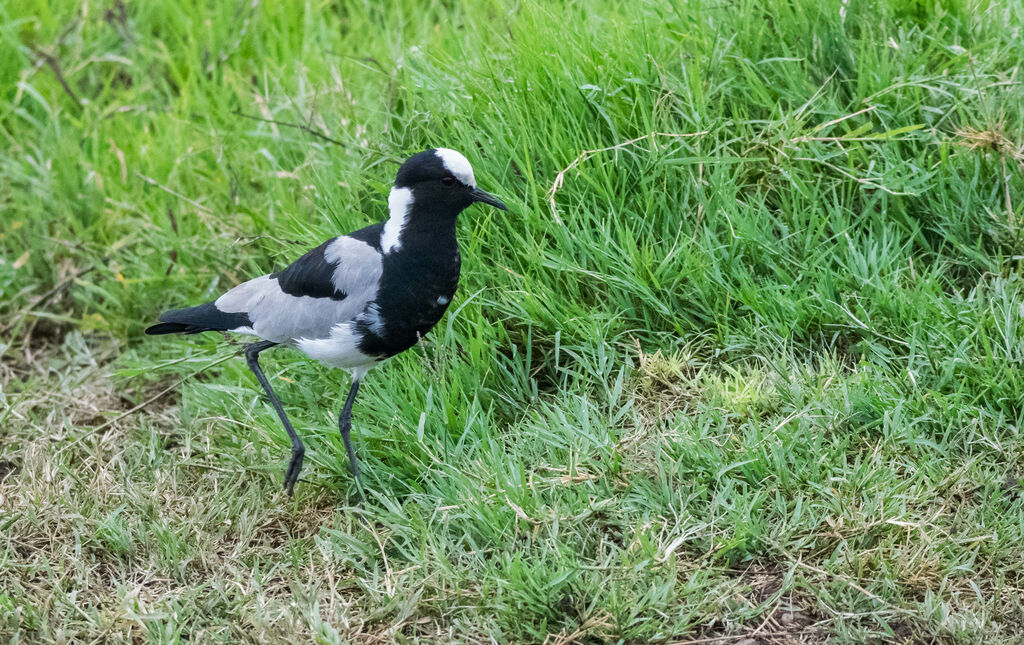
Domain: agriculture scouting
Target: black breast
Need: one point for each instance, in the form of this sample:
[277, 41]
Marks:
[415, 291]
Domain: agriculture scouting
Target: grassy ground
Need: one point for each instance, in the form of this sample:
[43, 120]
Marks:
[743, 364]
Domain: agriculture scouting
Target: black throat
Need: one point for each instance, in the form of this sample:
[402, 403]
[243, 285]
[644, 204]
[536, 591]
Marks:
[427, 232]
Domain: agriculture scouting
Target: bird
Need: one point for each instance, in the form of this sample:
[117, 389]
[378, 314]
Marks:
[357, 299]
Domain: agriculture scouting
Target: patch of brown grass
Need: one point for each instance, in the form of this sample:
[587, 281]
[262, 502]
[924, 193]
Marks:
[991, 139]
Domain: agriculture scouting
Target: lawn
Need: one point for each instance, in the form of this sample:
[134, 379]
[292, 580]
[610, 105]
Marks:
[742, 364]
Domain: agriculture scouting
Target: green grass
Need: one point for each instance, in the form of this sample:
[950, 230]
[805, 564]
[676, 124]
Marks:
[764, 381]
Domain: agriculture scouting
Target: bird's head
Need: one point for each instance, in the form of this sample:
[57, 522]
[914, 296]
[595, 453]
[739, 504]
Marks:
[442, 179]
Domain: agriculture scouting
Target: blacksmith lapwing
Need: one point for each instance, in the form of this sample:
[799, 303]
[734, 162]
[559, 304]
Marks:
[356, 299]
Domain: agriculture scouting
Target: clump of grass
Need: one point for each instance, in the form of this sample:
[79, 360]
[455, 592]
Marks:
[992, 139]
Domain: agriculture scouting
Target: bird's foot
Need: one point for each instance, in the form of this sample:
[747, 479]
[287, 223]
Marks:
[294, 468]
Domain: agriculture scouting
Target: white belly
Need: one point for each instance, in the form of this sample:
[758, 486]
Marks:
[339, 349]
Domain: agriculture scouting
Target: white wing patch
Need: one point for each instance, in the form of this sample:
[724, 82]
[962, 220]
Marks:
[456, 164]
[358, 265]
[373, 319]
[399, 204]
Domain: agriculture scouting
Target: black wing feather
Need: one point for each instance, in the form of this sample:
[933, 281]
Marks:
[370, 234]
[193, 320]
[310, 275]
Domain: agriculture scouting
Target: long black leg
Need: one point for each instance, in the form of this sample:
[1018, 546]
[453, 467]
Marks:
[345, 425]
[298, 450]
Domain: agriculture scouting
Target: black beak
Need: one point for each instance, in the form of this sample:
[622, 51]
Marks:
[487, 198]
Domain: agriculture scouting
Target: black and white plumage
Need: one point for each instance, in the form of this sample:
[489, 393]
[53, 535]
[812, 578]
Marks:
[356, 299]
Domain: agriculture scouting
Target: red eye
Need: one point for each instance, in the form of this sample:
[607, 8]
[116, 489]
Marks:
[448, 181]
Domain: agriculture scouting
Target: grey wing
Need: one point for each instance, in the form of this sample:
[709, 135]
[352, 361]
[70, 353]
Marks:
[330, 284]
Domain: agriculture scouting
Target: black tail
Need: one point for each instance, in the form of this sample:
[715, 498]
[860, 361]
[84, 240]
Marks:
[194, 320]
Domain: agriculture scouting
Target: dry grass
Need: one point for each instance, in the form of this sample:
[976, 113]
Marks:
[992, 139]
